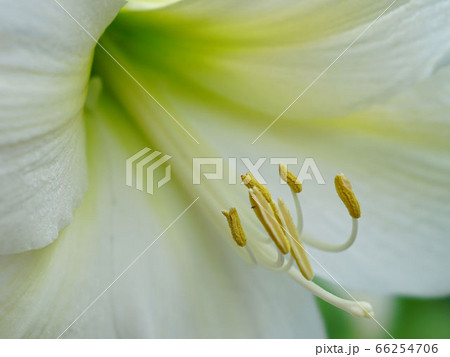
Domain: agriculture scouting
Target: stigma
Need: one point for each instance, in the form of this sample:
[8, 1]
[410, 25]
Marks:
[281, 246]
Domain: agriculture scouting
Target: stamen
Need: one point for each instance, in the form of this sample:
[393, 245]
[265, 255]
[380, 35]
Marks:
[267, 260]
[288, 262]
[298, 209]
[257, 209]
[268, 218]
[235, 226]
[251, 182]
[296, 187]
[288, 177]
[354, 204]
[282, 231]
[279, 265]
[297, 249]
[277, 214]
[335, 248]
[356, 308]
[346, 194]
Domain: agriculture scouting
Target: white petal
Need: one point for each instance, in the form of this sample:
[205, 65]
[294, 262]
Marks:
[264, 56]
[45, 62]
[188, 284]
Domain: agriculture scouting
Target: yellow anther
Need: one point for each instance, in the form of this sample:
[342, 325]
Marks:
[276, 212]
[288, 177]
[251, 182]
[235, 226]
[297, 249]
[268, 218]
[346, 194]
[257, 209]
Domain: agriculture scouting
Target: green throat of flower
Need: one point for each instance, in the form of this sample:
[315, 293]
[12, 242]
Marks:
[285, 244]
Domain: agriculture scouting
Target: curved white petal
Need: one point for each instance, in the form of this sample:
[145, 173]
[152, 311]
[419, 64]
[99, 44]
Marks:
[187, 284]
[265, 56]
[45, 60]
[390, 151]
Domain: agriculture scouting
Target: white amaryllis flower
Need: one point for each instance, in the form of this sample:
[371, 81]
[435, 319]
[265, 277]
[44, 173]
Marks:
[223, 70]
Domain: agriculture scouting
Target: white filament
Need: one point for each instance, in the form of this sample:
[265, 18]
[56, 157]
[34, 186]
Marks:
[298, 209]
[261, 250]
[335, 247]
[356, 308]
[317, 243]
